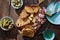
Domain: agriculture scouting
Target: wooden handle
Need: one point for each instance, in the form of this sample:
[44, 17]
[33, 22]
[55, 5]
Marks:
[40, 1]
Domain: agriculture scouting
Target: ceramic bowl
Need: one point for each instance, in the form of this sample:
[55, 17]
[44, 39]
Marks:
[16, 7]
[46, 34]
[1, 23]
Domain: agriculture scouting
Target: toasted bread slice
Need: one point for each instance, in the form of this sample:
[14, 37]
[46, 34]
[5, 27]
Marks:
[20, 22]
[23, 14]
[28, 26]
[28, 32]
[29, 9]
[36, 9]
[32, 9]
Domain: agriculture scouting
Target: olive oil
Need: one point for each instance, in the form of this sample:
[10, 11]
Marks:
[49, 34]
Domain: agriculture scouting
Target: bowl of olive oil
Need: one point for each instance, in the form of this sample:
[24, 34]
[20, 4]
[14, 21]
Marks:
[49, 35]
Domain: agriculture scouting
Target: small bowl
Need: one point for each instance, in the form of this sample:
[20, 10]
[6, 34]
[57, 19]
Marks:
[16, 7]
[1, 23]
[50, 37]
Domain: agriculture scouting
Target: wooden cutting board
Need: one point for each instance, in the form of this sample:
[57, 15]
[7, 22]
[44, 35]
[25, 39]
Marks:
[32, 2]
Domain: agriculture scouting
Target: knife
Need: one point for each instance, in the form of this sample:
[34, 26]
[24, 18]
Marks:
[56, 11]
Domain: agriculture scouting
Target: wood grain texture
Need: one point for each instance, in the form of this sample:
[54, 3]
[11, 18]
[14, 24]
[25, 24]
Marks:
[13, 34]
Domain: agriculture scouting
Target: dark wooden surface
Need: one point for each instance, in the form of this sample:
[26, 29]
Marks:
[13, 34]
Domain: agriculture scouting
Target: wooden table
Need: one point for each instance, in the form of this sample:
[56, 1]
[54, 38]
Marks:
[7, 10]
